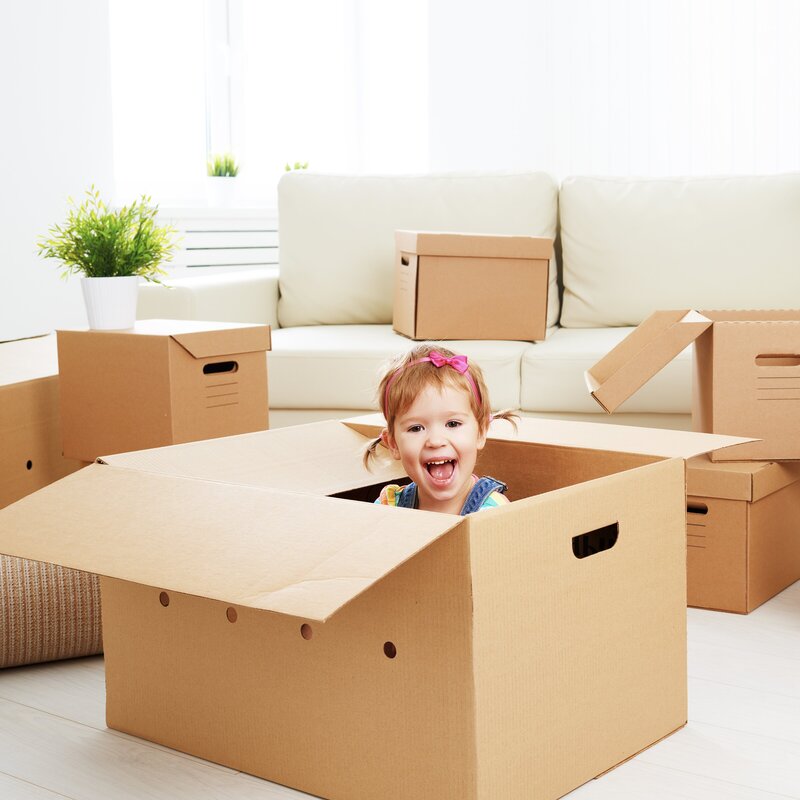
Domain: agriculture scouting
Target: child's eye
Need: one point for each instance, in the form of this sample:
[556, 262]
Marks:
[415, 428]
[454, 423]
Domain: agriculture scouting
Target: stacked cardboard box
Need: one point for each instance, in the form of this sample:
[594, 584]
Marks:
[256, 615]
[470, 286]
[159, 383]
[743, 514]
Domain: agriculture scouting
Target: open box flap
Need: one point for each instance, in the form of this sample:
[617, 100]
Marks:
[207, 339]
[590, 436]
[289, 553]
[471, 245]
[641, 354]
[321, 458]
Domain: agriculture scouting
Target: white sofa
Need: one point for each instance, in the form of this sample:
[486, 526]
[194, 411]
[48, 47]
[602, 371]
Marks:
[628, 247]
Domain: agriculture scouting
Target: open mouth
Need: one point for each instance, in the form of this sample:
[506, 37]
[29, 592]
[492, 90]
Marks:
[442, 469]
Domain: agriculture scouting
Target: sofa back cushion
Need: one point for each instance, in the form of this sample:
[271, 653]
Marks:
[631, 246]
[337, 234]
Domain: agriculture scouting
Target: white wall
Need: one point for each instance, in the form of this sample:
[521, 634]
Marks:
[615, 87]
[55, 140]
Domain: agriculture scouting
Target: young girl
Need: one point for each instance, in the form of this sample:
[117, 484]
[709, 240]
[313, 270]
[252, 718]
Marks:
[437, 414]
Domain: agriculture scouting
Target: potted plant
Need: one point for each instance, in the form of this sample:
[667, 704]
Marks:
[221, 166]
[111, 250]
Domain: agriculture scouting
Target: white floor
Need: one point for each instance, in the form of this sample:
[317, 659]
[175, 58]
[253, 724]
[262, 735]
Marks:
[742, 741]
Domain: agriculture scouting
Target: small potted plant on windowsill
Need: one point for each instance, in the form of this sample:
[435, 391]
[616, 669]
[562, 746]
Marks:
[111, 250]
[221, 169]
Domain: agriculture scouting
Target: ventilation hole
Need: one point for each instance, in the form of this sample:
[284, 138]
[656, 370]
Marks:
[231, 615]
[29, 464]
[163, 598]
[389, 650]
[305, 631]
[220, 366]
[593, 542]
[697, 508]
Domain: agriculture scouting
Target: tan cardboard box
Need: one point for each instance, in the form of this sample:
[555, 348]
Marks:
[746, 375]
[30, 429]
[743, 532]
[162, 382]
[469, 286]
[257, 616]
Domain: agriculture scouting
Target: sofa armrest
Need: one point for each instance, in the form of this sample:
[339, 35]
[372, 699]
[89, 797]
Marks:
[243, 296]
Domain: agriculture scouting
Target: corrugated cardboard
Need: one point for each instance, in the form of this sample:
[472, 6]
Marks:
[469, 286]
[30, 430]
[356, 651]
[743, 532]
[162, 382]
[746, 375]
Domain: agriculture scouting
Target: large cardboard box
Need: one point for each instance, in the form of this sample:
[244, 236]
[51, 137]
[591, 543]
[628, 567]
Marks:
[469, 286]
[746, 375]
[30, 429]
[742, 532]
[258, 613]
[162, 382]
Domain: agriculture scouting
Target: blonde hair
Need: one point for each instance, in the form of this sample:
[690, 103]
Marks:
[403, 380]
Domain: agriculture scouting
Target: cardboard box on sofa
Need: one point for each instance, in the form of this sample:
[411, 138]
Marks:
[743, 532]
[162, 382]
[30, 430]
[746, 375]
[257, 616]
[469, 286]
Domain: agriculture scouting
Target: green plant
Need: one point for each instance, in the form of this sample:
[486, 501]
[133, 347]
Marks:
[297, 165]
[222, 166]
[100, 243]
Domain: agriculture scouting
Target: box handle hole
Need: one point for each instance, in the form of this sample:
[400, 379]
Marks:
[29, 464]
[220, 366]
[404, 260]
[389, 649]
[163, 598]
[305, 631]
[697, 508]
[777, 360]
[232, 615]
[593, 542]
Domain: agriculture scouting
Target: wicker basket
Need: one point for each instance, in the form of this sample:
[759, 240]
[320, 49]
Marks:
[47, 612]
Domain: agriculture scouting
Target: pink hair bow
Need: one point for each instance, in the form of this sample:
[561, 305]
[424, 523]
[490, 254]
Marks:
[458, 363]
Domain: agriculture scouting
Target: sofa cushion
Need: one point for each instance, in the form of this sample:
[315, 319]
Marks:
[632, 246]
[337, 234]
[339, 366]
[552, 375]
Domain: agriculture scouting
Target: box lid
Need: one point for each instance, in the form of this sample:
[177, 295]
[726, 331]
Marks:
[738, 480]
[323, 458]
[28, 359]
[590, 436]
[203, 339]
[290, 553]
[645, 351]
[473, 245]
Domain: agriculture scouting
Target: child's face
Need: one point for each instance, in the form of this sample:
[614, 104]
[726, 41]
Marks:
[437, 440]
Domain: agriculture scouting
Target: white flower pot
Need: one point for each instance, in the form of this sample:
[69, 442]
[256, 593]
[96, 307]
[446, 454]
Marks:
[111, 302]
[221, 191]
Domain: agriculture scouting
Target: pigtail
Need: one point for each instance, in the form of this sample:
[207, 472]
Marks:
[371, 453]
[509, 416]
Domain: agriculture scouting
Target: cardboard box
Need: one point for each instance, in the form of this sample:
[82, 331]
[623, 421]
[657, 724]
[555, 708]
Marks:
[30, 429]
[743, 532]
[468, 286]
[257, 615]
[162, 382]
[746, 375]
